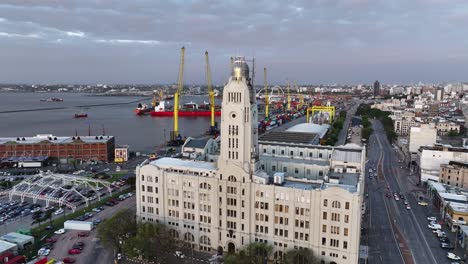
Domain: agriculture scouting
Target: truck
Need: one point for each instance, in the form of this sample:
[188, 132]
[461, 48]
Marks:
[78, 225]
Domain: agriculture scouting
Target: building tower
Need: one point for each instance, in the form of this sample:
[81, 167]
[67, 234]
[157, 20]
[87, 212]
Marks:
[239, 146]
[376, 88]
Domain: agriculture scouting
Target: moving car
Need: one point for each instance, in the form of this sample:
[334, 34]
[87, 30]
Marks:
[59, 211]
[432, 218]
[423, 203]
[179, 254]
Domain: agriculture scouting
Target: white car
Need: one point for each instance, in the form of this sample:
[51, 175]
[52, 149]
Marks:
[434, 226]
[432, 218]
[179, 254]
[60, 231]
[408, 207]
[452, 256]
[59, 211]
[119, 256]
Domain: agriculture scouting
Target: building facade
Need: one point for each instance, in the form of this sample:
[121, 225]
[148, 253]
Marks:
[444, 128]
[225, 205]
[85, 148]
[454, 174]
[424, 135]
[431, 158]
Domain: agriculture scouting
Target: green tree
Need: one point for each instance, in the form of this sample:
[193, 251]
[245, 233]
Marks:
[150, 241]
[453, 133]
[254, 253]
[117, 228]
[300, 256]
[366, 132]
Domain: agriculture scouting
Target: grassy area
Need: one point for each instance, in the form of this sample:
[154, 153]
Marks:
[40, 232]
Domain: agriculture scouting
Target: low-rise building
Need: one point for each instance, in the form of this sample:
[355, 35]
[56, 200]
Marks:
[121, 153]
[205, 149]
[424, 135]
[431, 157]
[82, 148]
[18, 239]
[455, 174]
[444, 128]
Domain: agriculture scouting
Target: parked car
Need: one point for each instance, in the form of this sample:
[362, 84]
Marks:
[51, 240]
[83, 234]
[74, 251]
[434, 226]
[423, 203]
[432, 218]
[60, 231]
[446, 246]
[452, 256]
[59, 211]
[68, 260]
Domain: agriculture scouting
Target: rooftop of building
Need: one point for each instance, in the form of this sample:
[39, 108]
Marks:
[456, 197]
[5, 245]
[320, 130]
[440, 147]
[345, 178]
[16, 238]
[352, 153]
[455, 164]
[196, 142]
[305, 160]
[290, 137]
[168, 163]
[49, 138]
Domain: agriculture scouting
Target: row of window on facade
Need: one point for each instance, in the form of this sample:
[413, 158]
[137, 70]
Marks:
[233, 130]
[301, 153]
[335, 204]
[296, 170]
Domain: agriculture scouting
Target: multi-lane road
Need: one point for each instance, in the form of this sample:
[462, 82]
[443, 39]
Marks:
[394, 233]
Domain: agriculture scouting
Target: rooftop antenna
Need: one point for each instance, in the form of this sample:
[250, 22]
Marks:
[89, 129]
[103, 130]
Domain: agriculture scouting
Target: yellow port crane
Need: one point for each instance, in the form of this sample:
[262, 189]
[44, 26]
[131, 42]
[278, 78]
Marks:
[301, 96]
[180, 86]
[154, 101]
[213, 128]
[289, 98]
[265, 88]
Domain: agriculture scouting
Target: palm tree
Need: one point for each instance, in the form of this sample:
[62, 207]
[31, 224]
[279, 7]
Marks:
[300, 256]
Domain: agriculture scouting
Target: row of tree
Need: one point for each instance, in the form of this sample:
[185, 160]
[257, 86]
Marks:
[365, 110]
[336, 128]
[261, 253]
[150, 241]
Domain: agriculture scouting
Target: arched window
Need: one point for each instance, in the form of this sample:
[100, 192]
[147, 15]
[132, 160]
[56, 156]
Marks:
[232, 179]
[205, 186]
[205, 240]
[173, 233]
[189, 237]
[336, 204]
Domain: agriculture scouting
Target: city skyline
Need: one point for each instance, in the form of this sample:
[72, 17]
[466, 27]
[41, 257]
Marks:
[342, 41]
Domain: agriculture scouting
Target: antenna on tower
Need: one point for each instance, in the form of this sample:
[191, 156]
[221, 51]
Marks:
[103, 130]
[89, 129]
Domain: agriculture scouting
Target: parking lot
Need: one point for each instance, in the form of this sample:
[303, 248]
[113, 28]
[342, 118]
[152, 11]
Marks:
[92, 251]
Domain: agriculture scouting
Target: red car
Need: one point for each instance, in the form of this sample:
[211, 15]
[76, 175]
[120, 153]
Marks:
[51, 240]
[68, 260]
[74, 251]
[83, 234]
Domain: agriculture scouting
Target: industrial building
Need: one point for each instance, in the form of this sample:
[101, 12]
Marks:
[241, 199]
[62, 149]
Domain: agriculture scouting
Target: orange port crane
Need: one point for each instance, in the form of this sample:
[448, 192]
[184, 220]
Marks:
[213, 128]
[180, 86]
[265, 89]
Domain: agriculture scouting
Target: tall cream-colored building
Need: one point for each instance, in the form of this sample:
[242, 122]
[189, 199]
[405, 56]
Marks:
[241, 199]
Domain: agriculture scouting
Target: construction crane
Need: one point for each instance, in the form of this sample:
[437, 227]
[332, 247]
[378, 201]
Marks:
[301, 96]
[175, 136]
[213, 126]
[265, 88]
[289, 98]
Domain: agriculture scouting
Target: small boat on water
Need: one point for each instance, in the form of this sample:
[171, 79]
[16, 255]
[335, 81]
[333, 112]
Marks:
[81, 115]
[142, 109]
[53, 99]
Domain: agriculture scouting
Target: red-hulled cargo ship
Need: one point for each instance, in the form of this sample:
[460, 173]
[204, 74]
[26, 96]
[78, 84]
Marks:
[142, 109]
[189, 109]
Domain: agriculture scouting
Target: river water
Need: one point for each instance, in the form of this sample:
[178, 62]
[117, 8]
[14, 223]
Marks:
[142, 133]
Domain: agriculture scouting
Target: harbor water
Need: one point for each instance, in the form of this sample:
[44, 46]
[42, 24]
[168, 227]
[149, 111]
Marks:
[113, 114]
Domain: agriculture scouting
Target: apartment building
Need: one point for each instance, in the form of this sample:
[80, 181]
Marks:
[454, 174]
[240, 199]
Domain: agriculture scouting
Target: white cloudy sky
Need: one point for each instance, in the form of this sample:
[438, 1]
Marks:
[311, 41]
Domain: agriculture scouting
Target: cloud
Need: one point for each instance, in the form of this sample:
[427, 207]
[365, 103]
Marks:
[75, 34]
[297, 38]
